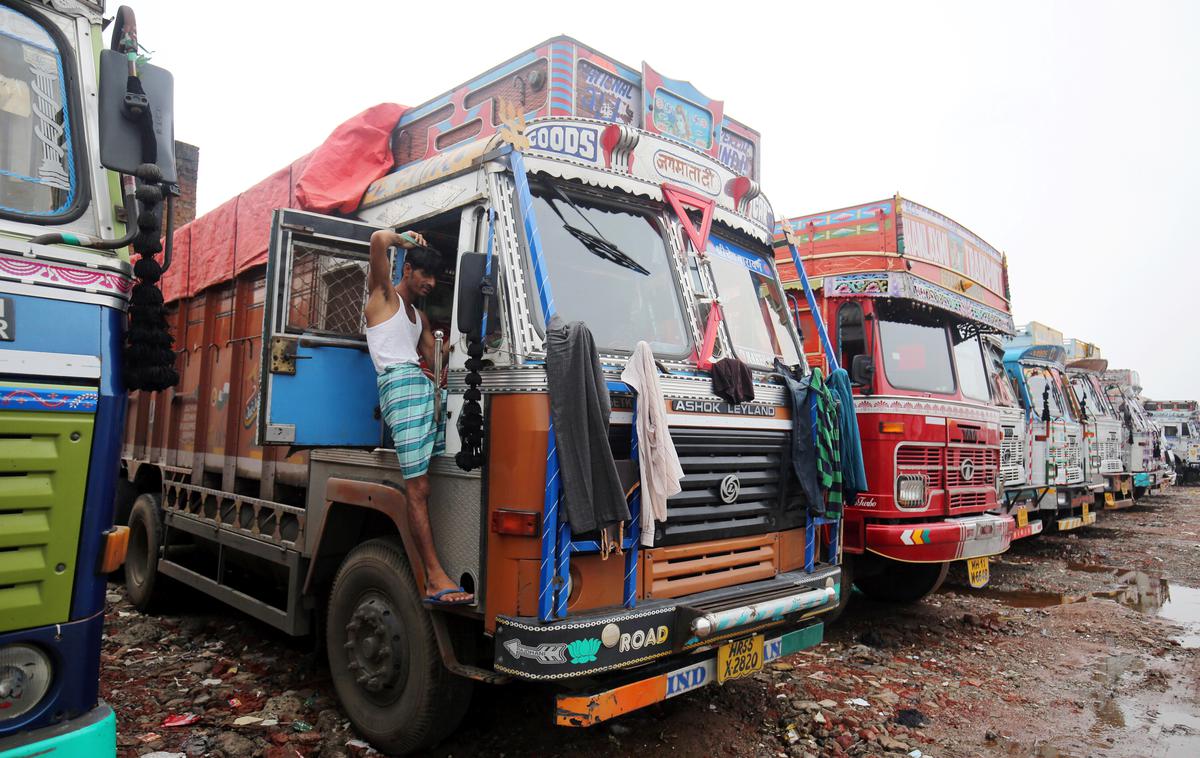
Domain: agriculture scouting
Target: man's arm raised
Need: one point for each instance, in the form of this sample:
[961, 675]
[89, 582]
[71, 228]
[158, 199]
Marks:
[380, 292]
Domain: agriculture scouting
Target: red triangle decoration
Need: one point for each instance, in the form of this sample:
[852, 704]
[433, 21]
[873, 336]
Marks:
[681, 199]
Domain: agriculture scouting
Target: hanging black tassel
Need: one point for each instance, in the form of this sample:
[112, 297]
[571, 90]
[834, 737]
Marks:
[149, 353]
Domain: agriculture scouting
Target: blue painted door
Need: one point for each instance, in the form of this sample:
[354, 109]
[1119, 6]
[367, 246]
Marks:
[320, 388]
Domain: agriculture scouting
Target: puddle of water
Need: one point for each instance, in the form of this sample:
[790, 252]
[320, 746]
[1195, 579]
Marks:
[1028, 598]
[1136, 589]
[1182, 606]
[1108, 712]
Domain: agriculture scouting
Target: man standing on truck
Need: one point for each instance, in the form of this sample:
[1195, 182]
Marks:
[398, 337]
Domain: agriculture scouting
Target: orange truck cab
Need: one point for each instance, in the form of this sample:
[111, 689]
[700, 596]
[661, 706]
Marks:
[560, 182]
[907, 293]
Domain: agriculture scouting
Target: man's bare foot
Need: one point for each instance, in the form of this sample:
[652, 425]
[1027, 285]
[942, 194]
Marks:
[443, 590]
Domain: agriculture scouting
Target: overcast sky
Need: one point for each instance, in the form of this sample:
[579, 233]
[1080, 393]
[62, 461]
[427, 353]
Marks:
[1064, 134]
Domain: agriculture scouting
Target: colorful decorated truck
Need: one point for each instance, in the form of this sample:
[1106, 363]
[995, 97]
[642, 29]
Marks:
[1019, 499]
[1179, 422]
[558, 183]
[1103, 431]
[907, 293]
[1058, 469]
[68, 111]
[1142, 442]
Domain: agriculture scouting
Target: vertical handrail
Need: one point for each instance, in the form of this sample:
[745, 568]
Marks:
[635, 518]
[553, 534]
[812, 301]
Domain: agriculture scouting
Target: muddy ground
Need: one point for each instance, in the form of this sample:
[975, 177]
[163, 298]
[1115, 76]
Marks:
[1085, 644]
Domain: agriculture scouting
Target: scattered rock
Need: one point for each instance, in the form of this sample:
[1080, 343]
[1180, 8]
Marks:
[911, 717]
[232, 745]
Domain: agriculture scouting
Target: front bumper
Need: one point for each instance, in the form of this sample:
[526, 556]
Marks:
[951, 539]
[586, 644]
[668, 679]
[94, 734]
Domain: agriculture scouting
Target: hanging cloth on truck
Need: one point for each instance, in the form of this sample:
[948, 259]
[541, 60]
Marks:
[657, 460]
[732, 381]
[579, 409]
[854, 474]
[828, 433]
[804, 445]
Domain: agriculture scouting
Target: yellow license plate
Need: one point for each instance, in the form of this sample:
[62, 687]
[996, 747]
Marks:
[740, 658]
[1109, 499]
[978, 572]
[1085, 510]
[1022, 518]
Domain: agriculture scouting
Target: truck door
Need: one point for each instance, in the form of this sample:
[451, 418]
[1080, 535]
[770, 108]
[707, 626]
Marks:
[318, 384]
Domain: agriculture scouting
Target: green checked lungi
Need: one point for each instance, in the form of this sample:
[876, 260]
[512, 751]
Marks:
[406, 400]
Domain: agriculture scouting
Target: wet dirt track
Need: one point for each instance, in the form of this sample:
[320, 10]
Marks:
[1085, 644]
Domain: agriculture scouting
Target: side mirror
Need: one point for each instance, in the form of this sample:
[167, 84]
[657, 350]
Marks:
[120, 133]
[472, 284]
[862, 370]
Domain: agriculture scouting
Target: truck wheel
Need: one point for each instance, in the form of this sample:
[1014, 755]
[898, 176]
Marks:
[844, 592]
[141, 559]
[904, 582]
[383, 655]
[1139, 493]
[123, 502]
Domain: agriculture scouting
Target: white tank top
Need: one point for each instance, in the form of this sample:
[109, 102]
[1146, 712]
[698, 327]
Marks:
[395, 340]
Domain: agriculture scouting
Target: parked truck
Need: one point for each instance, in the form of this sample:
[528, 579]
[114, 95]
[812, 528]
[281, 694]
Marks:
[1142, 443]
[1020, 496]
[81, 128]
[1179, 422]
[907, 293]
[561, 182]
[1103, 432]
[1058, 467]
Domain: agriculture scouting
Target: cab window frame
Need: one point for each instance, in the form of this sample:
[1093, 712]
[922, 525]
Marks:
[76, 146]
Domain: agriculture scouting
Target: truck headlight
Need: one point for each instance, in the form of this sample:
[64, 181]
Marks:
[25, 674]
[910, 490]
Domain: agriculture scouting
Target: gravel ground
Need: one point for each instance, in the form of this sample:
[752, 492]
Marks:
[1084, 644]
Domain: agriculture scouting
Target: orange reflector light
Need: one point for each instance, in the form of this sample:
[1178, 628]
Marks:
[519, 523]
[116, 543]
[891, 427]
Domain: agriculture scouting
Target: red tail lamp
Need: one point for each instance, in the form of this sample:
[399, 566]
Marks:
[516, 523]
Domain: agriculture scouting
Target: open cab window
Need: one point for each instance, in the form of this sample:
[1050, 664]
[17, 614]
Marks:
[755, 310]
[39, 179]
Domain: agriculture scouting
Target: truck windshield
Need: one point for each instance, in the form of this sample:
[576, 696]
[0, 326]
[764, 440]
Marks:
[1096, 404]
[37, 176]
[610, 269]
[972, 375]
[1038, 380]
[1003, 393]
[916, 356]
[753, 305]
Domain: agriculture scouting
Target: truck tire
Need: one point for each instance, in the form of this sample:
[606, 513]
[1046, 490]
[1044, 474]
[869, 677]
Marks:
[904, 582]
[141, 559]
[844, 592]
[383, 656]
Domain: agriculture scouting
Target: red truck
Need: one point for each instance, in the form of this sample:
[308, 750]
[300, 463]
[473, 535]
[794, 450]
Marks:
[907, 293]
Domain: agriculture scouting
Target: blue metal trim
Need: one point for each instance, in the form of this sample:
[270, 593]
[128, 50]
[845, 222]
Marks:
[87, 597]
[549, 530]
[562, 570]
[33, 398]
[541, 272]
[74, 650]
[812, 307]
[635, 521]
[487, 266]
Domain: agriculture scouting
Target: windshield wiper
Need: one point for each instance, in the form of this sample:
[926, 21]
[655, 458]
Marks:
[596, 243]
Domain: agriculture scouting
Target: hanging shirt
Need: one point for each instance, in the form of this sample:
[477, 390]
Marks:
[828, 440]
[658, 462]
[854, 474]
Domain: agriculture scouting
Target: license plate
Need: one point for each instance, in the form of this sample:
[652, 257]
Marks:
[740, 658]
[8, 320]
[1085, 510]
[1022, 518]
[1109, 499]
[978, 572]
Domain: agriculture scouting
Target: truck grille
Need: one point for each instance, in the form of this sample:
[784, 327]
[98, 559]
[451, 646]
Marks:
[687, 569]
[985, 464]
[1074, 456]
[708, 456]
[1110, 455]
[42, 479]
[1011, 459]
[968, 499]
[922, 459]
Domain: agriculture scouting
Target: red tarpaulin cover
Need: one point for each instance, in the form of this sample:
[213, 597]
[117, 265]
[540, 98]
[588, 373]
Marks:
[234, 236]
[356, 154]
